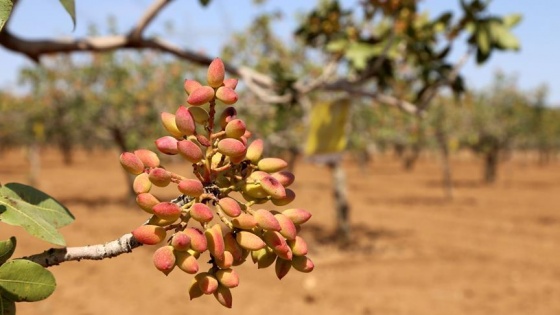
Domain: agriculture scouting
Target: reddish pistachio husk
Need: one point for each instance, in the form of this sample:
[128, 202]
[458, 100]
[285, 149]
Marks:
[200, 115]
[244, 221]
[271, 165]
[290, 196]
[226, 262]
[216, 73]
[201, 96]
[155, 220]
[236, 159]
[142, 184]
[259, 175]
[273, 187]
[191, 85]
[284, 177]
[167, 211]
[184, 121]
[167, 145]
[131, 163]
[233, 247]
[194, 290]
[227, 115]
[168, 121]
[191, 187]
[149, 234]
[266, 220]
[201, 213]
[181, 241]
[282, 267]
[298, 246]
[215, 241]
[230, 206]
[190, 151]
[254, 190]
[231, 83]
[249, 240]
[235, 128]
[278, 244]
[243, 140]
[147, 201]
[198, 240]
[227, 95]
[148, 157]
[164, 259]
[231, 147]
[227, 277]
[223, 296]
[302, 264]
[203, 140]
[160, 177]
[255, 151]
[287, 227]
[298, 216]
[207, 282]
[186, 262]
[265, 258]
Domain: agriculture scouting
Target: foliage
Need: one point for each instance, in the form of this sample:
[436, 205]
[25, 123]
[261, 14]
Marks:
[394, 42]
[40, 215]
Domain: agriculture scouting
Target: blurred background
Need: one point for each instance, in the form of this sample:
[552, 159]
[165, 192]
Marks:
[424, 136]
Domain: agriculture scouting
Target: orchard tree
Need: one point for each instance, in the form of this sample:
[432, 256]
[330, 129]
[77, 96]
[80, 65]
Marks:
[493, 119]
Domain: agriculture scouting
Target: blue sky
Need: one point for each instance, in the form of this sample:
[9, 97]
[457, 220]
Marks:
[206, 29]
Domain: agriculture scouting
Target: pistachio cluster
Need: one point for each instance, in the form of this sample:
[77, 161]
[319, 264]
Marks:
[219, 211]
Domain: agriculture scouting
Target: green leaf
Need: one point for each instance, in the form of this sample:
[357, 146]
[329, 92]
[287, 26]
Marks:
[23, 280]
[70, 7]
[7, 307]
[38, 213]
[483, 39]
[5, 11]
[512, 20]
[337, 45]
[6, 250]
[204, 2]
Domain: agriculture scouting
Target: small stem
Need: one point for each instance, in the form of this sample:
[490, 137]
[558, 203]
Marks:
[217, 135]
[223, 217]
[223, 168]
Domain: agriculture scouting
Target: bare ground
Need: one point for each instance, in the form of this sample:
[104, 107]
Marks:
[491, 250]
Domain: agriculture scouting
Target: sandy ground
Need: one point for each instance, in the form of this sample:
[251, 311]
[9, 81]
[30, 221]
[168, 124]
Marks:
[491, 250]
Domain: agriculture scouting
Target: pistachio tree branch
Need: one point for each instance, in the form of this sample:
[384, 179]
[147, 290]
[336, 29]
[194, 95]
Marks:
[56, 256]
[432, 92]
[148, 17]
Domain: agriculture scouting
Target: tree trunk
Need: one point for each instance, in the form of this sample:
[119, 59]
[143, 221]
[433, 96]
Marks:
[491, 160]
[446, 168]
[65, 146]
[34, 159]
[293, 154]
[411, 158]
[341, 203]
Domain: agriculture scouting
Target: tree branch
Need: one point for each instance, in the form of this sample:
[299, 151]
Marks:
[147, 18]
[56, 256]
[432, 92]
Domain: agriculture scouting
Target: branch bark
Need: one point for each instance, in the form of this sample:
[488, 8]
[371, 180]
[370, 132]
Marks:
[56, 256]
